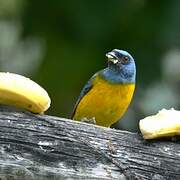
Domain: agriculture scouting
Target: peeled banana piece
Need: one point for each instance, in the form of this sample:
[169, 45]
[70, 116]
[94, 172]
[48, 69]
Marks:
[19, 91]
[164, 124]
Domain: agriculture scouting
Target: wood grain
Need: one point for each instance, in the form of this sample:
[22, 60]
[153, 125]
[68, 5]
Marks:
[47, 147]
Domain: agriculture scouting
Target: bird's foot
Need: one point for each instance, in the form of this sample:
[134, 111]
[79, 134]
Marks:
[89, 120]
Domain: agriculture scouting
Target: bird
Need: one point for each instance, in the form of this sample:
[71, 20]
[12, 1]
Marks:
[106, 96]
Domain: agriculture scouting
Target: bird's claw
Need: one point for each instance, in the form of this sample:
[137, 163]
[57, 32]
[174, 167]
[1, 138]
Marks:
[89, 120]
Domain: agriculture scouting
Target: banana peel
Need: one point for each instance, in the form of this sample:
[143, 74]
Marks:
[19, 91]
[166, 123]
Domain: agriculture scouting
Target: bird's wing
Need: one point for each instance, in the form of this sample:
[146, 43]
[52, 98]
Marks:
[88, 86]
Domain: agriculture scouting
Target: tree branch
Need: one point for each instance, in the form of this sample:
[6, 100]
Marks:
[47, 147]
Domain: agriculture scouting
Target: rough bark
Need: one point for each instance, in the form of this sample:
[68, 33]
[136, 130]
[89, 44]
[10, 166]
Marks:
[47, 147]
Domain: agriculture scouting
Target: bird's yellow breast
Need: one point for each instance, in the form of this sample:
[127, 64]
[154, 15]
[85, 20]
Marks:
[106, 102]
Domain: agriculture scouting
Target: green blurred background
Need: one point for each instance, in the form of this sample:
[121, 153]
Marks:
[61, 44]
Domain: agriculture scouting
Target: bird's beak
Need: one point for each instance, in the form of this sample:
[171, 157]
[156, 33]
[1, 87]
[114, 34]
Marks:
[112, 57]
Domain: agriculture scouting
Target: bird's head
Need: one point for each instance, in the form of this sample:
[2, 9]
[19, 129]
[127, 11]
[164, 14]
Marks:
[121, 66]
[118, 59]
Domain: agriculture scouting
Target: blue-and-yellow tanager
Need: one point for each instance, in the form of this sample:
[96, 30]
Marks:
[107, 95]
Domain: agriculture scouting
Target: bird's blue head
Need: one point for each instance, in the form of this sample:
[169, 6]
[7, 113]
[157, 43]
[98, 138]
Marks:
[121, 67]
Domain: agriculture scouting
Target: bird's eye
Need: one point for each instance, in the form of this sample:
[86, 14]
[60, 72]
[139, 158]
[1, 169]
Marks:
[125, 58]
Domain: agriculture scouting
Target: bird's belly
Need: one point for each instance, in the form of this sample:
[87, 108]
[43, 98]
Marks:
[105, 102]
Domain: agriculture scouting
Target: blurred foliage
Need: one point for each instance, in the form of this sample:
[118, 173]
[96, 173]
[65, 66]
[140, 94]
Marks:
[63, 43]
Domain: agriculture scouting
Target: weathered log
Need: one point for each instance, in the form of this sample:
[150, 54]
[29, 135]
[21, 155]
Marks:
[46, 147]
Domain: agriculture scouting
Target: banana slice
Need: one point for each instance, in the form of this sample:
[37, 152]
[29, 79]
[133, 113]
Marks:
[19, 91]
[164, 124]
